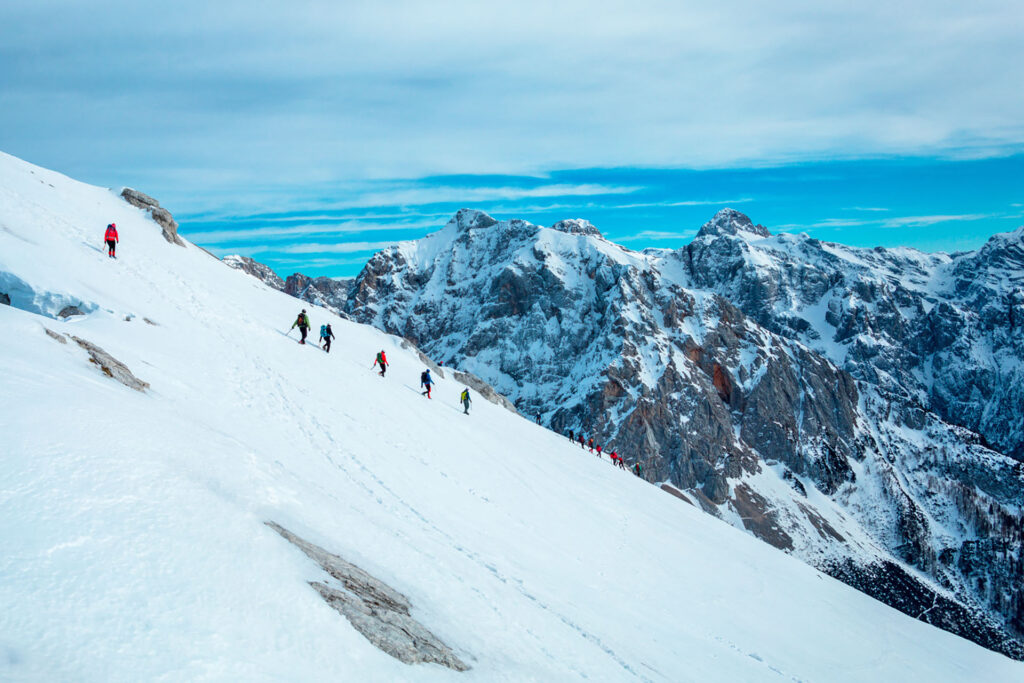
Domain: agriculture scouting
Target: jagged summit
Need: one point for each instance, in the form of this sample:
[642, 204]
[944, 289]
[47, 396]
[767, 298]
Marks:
[731, 222]
[469, 219]
[577, 226]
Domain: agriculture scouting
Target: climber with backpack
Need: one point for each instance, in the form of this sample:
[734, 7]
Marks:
[326, 335]
[638, 470]
[426, 381]
[581, 440]
[110, 237]
[598, 447]
[382, 361]
[465, 400]
[619, 462]
[302, 322]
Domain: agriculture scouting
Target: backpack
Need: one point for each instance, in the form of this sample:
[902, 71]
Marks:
[323, 330]
[424, 377]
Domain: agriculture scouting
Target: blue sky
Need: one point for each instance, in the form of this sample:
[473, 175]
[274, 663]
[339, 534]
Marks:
[934, 205]
[317, 131]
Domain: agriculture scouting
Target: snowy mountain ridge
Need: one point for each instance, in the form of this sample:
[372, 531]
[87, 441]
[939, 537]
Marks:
[135, 522]
[807, 392]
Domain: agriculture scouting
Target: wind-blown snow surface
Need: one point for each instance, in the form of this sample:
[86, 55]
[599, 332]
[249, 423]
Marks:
[132, 523]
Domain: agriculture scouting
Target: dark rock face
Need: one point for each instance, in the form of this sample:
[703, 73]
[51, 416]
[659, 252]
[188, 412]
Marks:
[330, 293]
[4, 299]
[160, 215]
[745, 369]
[375, 609]
[69, 311]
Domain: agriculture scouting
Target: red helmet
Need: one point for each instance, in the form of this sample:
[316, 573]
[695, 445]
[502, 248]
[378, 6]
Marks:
[113, 225]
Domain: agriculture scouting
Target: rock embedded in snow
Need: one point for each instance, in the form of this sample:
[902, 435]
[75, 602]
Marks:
[375, 609]
[110, 366]
[160, 215]
[57, 336]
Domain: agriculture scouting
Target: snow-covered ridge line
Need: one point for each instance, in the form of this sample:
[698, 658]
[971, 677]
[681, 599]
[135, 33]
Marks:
[800, 389]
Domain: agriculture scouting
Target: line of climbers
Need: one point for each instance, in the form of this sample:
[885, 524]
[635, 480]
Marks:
[381, 360]
[427, 383]
[617, 459]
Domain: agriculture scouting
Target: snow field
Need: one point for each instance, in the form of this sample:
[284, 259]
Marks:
[132, 524]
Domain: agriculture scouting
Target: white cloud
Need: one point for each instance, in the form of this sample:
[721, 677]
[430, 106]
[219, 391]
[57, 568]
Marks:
[217, 96]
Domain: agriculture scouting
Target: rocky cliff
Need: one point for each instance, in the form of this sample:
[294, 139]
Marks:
[857, 408]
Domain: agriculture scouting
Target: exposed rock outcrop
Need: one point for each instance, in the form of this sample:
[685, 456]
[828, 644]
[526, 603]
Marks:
[258, 270]
[110, 366]
[376, 610]
[160, 215]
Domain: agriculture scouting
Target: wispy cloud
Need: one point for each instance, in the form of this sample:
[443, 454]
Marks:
[335, 248]
[277, 233]
[922, 221]
[656, 235]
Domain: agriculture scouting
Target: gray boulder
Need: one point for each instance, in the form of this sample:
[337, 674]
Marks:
[160, 215]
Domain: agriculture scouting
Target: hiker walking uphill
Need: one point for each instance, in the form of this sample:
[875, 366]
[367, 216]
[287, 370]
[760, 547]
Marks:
[465, 400]
[326, 335]
[638, 470]
[382, 361]
[302, 322]
[426, 381]
[110, 237]
[581, 440]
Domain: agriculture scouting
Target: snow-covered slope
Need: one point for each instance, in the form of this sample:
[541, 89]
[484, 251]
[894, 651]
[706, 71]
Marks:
[785, 384]
[133, 522]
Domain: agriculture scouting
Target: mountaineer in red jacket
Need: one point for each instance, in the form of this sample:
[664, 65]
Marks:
[110, 237]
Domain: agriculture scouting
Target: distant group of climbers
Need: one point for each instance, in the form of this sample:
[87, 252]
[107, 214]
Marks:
[380, 361]
[427, 383]
[617, 460]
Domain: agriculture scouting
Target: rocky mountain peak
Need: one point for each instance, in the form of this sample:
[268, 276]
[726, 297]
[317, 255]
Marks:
[258, 270]
[731, 222]
[468, 219]
[576, 226]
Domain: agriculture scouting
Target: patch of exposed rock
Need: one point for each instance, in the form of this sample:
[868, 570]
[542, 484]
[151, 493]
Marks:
[160, 215]
[57, 336]
[483, 389]
[260, 271]
[329, 293]
[375, 609]
[5, 299]
[110, 366]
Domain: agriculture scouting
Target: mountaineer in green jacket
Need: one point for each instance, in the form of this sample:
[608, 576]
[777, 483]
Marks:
[302, 322]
